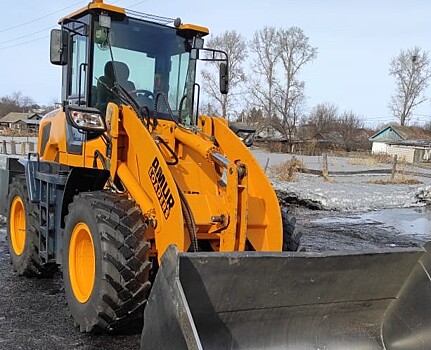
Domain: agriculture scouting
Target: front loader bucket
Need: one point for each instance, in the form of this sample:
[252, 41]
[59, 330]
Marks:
[251, 300]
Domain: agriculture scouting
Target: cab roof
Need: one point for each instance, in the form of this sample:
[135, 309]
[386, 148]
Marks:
[96, 4]
[100, 5]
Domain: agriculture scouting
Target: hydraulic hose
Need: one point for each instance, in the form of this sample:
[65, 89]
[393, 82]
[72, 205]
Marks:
[189, 220]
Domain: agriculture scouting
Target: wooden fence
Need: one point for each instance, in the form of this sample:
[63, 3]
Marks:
[17, 146]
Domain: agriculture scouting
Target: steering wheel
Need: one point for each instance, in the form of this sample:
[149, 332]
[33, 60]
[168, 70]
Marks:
[145, 93]
[145, 98]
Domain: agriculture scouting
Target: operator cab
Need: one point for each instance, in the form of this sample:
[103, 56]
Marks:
[155, 64]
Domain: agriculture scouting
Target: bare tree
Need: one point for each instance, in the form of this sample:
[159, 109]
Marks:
[16, 102]
[207, 108]
[411, 70]
[235, 46]
[267, 53]
[323, 117]
[348, 124]
[427, 128]
[295, 51]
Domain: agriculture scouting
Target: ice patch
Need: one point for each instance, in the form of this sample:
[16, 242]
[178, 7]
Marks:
[354, 196]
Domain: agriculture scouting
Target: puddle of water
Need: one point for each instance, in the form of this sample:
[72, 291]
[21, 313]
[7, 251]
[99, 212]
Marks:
[410, 221]
[349, 219]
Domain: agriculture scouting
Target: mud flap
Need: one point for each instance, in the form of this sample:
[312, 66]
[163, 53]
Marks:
[290, 300]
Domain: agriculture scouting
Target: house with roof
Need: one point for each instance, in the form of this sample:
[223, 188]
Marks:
[409, 143]
[317, 142]
[21, 122]
[392, 134]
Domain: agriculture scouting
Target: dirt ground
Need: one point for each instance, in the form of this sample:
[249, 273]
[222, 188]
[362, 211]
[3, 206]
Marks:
[33, 312]
[33, 315]
[387, 228]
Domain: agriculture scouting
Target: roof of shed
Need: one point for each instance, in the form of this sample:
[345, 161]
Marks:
[399, 133]
[13, 117]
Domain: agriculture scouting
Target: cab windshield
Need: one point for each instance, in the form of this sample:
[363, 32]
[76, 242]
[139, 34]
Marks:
[147, 59]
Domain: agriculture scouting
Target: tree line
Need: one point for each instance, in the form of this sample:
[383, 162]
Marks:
[272, 93]
[18, 102]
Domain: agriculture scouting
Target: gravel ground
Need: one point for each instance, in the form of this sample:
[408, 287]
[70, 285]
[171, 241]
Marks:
[34, 316]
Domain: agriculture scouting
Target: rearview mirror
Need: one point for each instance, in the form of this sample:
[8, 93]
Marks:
[224, 78]
[59, 47]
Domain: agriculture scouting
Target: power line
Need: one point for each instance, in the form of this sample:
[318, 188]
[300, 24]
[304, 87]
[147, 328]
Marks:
[114, 2]
[23, 43]
[40, 31]
[421, 115]
[38, 18]
[25, 36]
[138, 3]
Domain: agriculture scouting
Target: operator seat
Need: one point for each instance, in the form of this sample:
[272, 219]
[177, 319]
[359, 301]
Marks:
[106, 82]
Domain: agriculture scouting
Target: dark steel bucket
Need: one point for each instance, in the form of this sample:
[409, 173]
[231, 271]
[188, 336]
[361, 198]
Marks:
[253, 300]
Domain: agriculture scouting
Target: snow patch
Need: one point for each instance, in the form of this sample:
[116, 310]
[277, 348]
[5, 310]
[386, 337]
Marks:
[353, 195]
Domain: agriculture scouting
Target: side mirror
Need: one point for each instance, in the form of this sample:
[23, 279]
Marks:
[85, 119]
[224, 78]
[59, 47]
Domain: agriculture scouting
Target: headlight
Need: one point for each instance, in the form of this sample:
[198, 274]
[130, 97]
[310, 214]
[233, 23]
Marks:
[85, 118]
[88, 120]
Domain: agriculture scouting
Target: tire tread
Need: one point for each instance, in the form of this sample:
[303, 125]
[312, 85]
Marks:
[31, 264]
[125, 259]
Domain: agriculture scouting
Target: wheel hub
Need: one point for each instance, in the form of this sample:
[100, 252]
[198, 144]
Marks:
[17, 225]
[82, 262]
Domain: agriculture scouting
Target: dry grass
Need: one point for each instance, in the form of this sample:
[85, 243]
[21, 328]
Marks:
[398, 176]
[397, 181]
[370, 159]
[9, 132]
[287, 171]
[326, 177]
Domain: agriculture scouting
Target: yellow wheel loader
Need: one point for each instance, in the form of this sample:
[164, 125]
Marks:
[143, 202]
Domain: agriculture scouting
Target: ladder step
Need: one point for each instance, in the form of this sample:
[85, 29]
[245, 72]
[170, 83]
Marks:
[47, 198]
[42, 254]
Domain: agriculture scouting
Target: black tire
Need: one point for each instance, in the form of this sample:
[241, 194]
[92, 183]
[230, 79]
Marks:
[28, 262]
[291, 238]
[122, 266]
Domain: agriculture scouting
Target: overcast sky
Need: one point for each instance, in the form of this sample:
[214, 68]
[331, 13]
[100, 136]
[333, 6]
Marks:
[355, 39]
